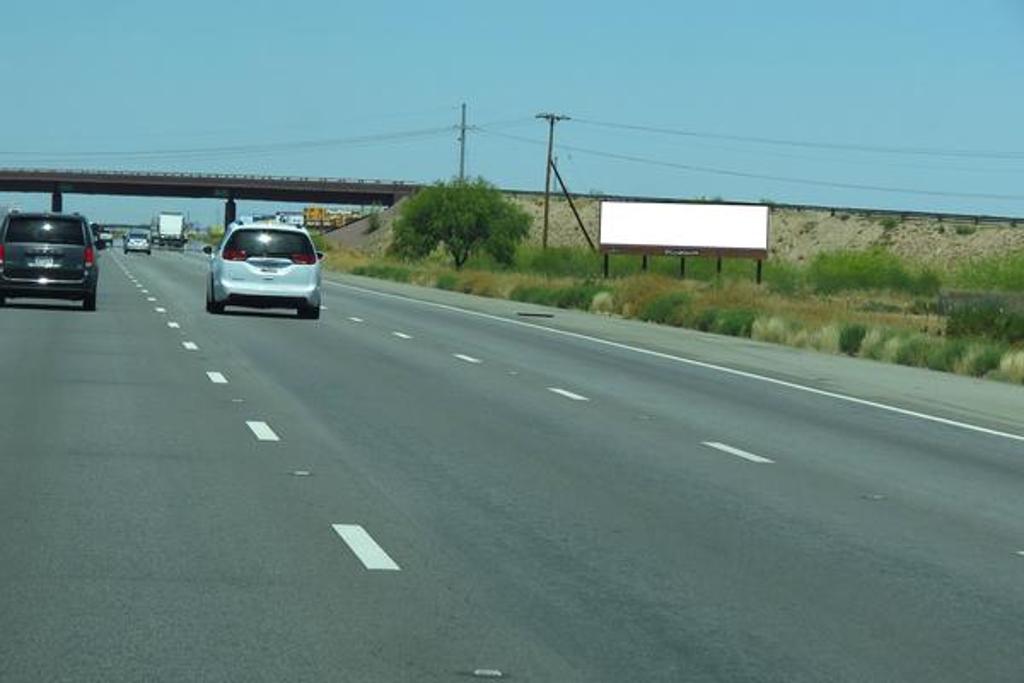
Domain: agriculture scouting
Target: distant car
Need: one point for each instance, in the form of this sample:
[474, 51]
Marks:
[264, 265]
[48, 255]
[137, 240]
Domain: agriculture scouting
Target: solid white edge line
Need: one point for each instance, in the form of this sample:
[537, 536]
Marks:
[737, 452]
[365, 548]
[567, 394]
[402, 335]
[173, 325]
[216, 377]
[262, 430]
[468, 359]
[707, 366]
[190, 346]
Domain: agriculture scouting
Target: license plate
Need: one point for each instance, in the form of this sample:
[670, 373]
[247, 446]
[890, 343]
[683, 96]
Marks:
[268, 270]
[43, 263]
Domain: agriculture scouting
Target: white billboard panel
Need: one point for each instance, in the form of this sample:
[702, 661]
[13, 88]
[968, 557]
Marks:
[675, 228]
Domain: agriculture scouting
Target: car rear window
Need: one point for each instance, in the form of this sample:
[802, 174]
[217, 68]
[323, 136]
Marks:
[48, 230]
[269, 243]
[139, 234]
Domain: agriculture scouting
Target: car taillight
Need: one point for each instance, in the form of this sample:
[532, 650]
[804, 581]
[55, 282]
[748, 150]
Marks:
[234, 255]
[90, 256]
[1, 254]
[304, 259]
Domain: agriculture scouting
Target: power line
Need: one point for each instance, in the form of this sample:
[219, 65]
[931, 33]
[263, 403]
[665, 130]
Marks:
[761, 176]
[262, 148]
[848, 147]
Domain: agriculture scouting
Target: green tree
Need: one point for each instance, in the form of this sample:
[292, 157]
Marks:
[461, 216]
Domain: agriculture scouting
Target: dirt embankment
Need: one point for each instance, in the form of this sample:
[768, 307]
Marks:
[796, 234]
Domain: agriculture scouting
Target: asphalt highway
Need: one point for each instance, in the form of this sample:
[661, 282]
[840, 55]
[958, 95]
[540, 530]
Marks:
[407, 491]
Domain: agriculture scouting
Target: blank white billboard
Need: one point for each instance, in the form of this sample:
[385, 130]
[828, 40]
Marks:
[662, 226]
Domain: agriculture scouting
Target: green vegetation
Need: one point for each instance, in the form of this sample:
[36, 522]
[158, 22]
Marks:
[1005, 272]
[850, 337]
[384, 272]
[373, 223]
[462, 218]
[572, 296]
[986, 321]
[843, 271]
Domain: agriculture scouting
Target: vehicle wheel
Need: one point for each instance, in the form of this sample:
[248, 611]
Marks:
[211, 305]
[309, 312]
[89, 302]
[149, 252]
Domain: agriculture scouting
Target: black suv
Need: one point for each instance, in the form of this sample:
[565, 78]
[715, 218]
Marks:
[48, 255]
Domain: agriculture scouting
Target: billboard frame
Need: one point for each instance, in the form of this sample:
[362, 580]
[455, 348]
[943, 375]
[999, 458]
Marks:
[645, 250]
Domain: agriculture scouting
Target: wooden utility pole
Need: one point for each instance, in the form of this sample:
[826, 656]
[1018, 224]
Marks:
[462, 145]
[552, 119]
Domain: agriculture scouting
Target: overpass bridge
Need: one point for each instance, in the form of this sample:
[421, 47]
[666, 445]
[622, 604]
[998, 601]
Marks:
[203, 186]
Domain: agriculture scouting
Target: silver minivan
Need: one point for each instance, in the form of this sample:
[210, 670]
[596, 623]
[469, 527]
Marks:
[264, 265]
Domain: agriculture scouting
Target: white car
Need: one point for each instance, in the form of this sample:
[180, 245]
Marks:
[264, 265]
[137, 240]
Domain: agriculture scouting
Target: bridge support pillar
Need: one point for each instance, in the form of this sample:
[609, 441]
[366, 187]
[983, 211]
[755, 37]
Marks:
[56, 202]
[230, 212]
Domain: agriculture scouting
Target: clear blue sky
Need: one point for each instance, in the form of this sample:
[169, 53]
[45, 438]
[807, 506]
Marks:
[107, 84]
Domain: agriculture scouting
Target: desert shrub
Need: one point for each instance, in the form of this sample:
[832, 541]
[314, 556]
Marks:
[734, 322]
[850, 337]
[670, 308]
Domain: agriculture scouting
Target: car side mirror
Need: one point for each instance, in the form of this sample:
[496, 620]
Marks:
[207, 249]
[319, 256]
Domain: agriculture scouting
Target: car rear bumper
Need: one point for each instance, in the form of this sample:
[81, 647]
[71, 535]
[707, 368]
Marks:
[48, 289]
[145, 248]
[234, 293]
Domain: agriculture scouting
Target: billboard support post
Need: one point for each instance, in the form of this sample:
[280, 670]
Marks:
[643, 263]
[718, 267]
[606, 265]
[682, 267]
[759, 264]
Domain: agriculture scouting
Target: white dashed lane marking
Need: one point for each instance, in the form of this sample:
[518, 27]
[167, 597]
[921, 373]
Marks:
[402, 335]
[737, 452]
[190, 346]
[160, 309]
[262, 430]
[567, 394]
[468, 359]
[173, 325]
[217, 377]
[355, 319]
[365, 548]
